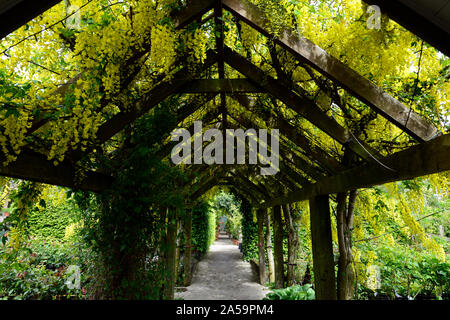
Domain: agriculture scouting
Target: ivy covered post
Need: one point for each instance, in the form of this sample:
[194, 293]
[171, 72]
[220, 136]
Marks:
[188, 247]
[269, 247]
[345, 274]
[261, 253]
[171, 243]
[293, 243]
[322, 248]
[249, 230]
[278, 247]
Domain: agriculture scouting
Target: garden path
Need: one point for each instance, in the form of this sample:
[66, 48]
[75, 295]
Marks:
[223, 275]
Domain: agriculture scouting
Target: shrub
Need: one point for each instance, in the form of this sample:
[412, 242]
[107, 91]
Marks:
[51, 222]
[38, 271]
[203, 227]
[298, 292]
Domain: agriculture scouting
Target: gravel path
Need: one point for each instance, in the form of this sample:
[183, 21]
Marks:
[222, 275]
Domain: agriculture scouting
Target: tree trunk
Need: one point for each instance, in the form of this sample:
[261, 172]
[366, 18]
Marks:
[293, 243]
[345, 276]
[278, 247]
[188, 248]
[269, 248]
[261, 253]
[322, 248]
[171, 242]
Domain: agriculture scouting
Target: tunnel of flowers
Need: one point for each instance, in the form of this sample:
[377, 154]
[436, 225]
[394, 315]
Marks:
[342, 193]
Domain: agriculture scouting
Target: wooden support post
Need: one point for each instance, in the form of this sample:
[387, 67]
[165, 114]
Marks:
[177, 252]
[171, 241]
[278, 247]
[261, 252]
[188, 248]
[269, 247]
[293, 243]
[322, 247]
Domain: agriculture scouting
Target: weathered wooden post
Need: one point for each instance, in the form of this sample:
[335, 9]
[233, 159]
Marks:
[322, 248]
[188, 248]
[293, 243]
[171, 241]
[261, 252]
[278, 247]
[269, 247]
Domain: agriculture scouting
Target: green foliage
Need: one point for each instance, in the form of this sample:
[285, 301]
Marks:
[38, 271]
[234, 225]
[51, 222]
[249, 232]
[125, 224]
[203, 227]
[297, 292]
[408, 273]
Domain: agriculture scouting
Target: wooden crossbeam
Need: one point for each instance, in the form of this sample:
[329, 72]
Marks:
[15, 13]
[35, 167]
[220, 86]
[423, 159]
[363, 89]
[193, 10]
[315, 153]
[420, 22]
[302, 106]
[297, 178]
[150, 100]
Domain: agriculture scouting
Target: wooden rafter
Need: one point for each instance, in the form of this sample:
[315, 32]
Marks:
[315, 153]
[35, 167]
[423, 159]
[220, 86]
[150, 100]
[363, 89]
[15, 13]
[303, 106]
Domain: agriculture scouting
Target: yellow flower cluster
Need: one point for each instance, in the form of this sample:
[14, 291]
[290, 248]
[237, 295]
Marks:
[26, 199]
[197, 44]
[163, 54]
[13, 137]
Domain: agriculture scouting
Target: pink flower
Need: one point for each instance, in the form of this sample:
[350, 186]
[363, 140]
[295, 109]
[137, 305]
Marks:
[83, 290]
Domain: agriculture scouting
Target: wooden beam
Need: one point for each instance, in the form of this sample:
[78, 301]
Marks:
[193, 10]
[322, 248]
[261, 251]
[363, 89]
[15, 13]
[278, 247]
[420, 160]
[302, 106]
[220, 86]
[314, 152]
[35, 167]
[150, 100]
[421, 22]
[291, 175]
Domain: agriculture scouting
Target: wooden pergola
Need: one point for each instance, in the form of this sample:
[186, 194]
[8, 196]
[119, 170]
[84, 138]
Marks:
[307, 171]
